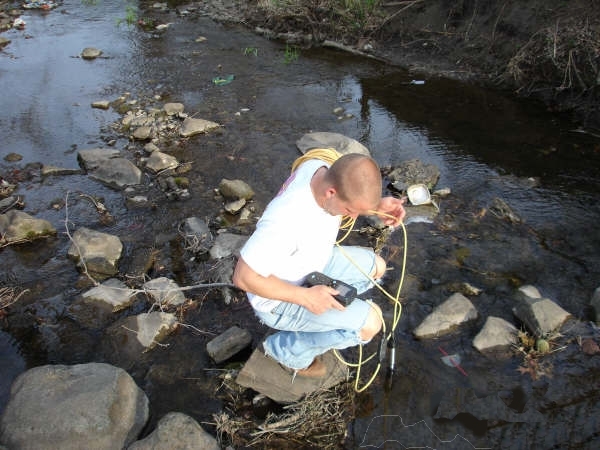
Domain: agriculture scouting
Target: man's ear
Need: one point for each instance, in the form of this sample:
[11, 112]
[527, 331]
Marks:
[330, 192]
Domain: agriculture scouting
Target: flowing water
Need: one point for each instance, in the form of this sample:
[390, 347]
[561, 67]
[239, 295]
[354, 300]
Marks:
[487, 145]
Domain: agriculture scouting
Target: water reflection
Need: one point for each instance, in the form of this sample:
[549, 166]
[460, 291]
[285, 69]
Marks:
[508, 135]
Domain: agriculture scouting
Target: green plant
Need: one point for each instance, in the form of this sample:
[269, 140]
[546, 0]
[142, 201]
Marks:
[251, 51]
[130, 16]
[292, 53]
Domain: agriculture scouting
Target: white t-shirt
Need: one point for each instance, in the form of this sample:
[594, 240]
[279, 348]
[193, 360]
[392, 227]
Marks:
[294, 236]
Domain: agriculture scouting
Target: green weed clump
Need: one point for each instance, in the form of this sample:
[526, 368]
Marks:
[292, 53]
[131, 16]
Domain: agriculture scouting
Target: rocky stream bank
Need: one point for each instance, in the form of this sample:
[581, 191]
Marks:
[139, 312]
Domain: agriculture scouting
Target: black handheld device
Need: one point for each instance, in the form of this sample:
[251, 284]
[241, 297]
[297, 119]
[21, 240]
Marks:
[347, 293]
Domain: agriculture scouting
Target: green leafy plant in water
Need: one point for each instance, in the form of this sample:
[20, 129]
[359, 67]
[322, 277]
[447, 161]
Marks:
[130, 16]
[292, 53]
[251, 51]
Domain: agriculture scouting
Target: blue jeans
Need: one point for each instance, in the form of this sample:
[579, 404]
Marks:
[305, 335]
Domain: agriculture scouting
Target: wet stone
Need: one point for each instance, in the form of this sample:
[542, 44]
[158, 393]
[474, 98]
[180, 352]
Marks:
[13, 157]
[235, 189]
[95, 251]
[235, 206]
[177, 431]
[112, 292]
[539, 315]
[339, 142]
[266, 376]
[496, 333]
[164, 291]
[126, 340]
[90, 53]
[143, 133]
[159, 161]
[197, 235]
[191, 127]
[173, 108]
[456, 310]
[151, 147]
[58, 171]
[69, 407]
[227, 244]
[91, 158]
[413, 172]
[101, 104]
[117, 173]
[18, 226]
[228, 344]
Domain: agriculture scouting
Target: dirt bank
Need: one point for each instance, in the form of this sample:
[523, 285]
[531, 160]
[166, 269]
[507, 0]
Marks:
[544, 49]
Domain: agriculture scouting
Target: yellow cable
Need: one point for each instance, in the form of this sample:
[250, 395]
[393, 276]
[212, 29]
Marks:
[395, 321]
[329, 155]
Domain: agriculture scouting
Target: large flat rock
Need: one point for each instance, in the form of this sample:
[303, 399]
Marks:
[266, 376]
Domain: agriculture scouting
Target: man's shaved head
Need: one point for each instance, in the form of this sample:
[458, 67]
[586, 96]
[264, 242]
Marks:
[356, 177]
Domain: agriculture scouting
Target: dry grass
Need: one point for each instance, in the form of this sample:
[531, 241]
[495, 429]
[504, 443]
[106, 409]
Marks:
[9, 296]
[344, 20]
[562, 56]
[320, 420]
[533, 349]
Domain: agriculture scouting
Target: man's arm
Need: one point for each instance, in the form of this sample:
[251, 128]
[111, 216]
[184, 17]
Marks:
[316, 299]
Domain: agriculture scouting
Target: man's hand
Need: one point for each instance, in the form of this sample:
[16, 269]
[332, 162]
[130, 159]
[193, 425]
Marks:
[319, 299]
[391, 206]
[316, 299]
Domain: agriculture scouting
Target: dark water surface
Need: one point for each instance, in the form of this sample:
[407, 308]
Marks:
[485, 144]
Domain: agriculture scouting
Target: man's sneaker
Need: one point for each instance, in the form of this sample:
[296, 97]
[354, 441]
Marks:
[317, 369]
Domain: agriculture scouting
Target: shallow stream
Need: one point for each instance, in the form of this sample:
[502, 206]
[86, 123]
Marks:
[487, 145]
